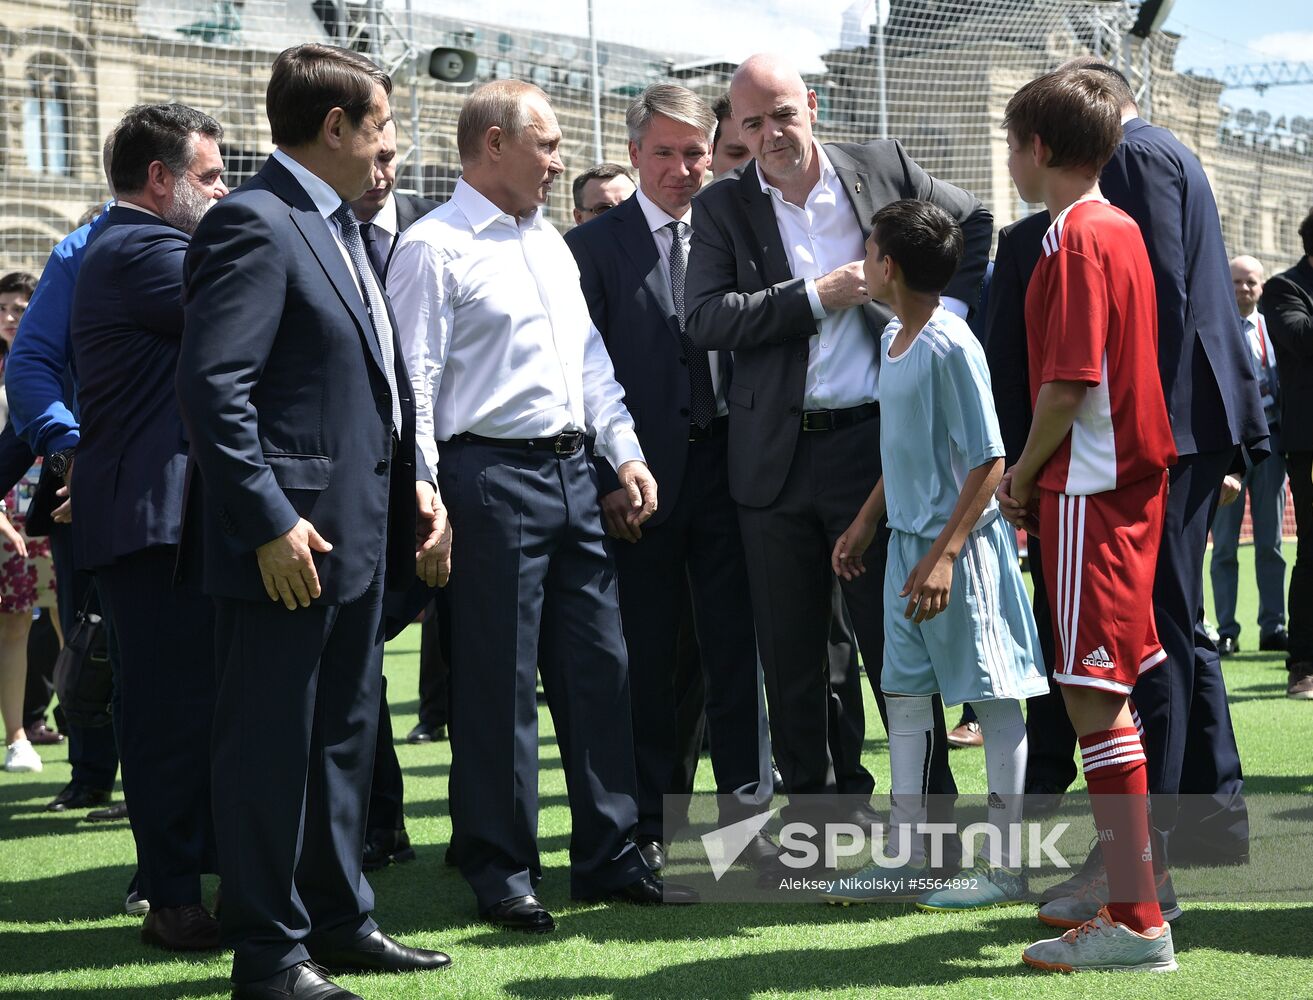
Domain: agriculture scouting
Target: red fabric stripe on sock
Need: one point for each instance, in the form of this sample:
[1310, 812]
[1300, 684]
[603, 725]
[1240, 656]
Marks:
[1119, 796]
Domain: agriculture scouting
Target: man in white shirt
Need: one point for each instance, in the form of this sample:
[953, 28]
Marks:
[1265, 484]
[510, 377]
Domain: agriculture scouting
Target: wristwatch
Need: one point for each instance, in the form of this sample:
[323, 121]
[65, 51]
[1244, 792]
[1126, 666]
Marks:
[59, 462]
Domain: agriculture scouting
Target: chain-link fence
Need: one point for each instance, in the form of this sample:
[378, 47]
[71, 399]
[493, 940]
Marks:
[933, 73]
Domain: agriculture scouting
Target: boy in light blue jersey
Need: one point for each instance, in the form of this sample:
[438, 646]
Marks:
[957, 618]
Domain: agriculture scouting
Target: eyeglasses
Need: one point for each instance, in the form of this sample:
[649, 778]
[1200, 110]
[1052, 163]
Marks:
[598, 209]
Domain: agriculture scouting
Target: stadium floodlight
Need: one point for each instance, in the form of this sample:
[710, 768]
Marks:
[1262, 120]
[449, 65]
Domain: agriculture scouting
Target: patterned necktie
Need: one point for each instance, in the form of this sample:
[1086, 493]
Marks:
[374, 304]
[701, 393]
[374, 250]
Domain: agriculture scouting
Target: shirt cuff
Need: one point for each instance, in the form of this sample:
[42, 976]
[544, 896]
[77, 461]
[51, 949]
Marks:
[956, 306]
[623, 447]
[814, 297]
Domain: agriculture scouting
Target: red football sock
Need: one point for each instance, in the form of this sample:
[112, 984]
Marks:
[1119, 795]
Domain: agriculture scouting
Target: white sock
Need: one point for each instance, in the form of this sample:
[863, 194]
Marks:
[1004, 732]
[911, 736]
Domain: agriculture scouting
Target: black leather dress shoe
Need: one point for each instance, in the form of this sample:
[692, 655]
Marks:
[301, 982]
[424, 733]
[384, 847]
[380, 953]
[110, 814]
[1273, 642]
[181, 928]
[77, 796]
[521, 913]
[652, 891]
[777, 778]
[762, 853]
[654, 853]
[1227, 645]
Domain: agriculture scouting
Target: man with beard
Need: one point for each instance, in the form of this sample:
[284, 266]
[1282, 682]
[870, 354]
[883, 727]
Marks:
[126, 487]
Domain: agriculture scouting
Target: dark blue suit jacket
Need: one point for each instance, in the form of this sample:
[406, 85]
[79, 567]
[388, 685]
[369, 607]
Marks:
[125, 328]
[281, 385]
[628, 294]
[1212, 397]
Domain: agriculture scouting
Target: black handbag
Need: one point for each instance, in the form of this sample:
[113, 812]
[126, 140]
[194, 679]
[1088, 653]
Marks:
[82, 673]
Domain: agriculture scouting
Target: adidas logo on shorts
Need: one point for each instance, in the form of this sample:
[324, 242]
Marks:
[1099, 658]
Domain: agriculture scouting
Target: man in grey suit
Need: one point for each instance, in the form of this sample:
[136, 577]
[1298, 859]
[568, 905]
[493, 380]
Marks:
[775, 275]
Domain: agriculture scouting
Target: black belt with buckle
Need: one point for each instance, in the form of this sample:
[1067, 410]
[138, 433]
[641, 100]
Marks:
[833, 420]
[564, 444]
[717, 427]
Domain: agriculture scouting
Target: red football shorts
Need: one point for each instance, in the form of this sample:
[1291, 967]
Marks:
[1100, 554]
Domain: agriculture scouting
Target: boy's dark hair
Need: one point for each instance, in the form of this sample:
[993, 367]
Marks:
[722, 109]
[600, 172]
[18, 281]
[150, 132]
[1306, 233]
[309, 81]
[1076, 113]
[924, 239]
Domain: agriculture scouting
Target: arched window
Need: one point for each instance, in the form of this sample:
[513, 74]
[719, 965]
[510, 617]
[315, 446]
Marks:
[47, 120]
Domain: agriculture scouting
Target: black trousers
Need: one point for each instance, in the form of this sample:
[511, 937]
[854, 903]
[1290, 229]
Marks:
[1299, 465]
[435, 664]
[39, 689]
[92, 752]
[387, 791]
[696, 547]
[166, 693]
[533, 590]
[1188, 738]
[817, 735]
[1050, 738]
[294, 739]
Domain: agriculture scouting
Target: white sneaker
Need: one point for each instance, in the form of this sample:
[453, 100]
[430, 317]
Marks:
[136, 905]
[1106, 945]
[20, 756]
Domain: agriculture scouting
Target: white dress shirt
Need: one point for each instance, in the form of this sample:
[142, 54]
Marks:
[1264, 361]
[657, 220]
[496, 332]
[843, 358]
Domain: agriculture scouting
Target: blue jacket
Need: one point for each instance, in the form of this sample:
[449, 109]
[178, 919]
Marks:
[42, 400]
[1211, 394]
[126, 326]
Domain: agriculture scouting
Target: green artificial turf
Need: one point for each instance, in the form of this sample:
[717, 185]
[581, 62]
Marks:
[63, 933]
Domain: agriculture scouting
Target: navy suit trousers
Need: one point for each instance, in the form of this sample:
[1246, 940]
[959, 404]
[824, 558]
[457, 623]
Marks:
[698, 543]
[1188, 739]
[533, 590]
[165, 685]
[294, 740]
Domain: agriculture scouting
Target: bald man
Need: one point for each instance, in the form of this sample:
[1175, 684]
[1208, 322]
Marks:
[1265, 484]
[775, 275]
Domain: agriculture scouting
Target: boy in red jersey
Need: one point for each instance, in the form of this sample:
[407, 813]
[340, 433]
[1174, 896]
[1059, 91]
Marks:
[1092, 481]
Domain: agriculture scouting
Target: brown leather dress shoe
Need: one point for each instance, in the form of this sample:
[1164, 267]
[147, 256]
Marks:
[181, 928]
[42, 735]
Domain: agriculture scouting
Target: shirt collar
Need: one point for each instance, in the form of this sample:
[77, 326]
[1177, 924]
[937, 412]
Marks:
[657, 217]
[320, 191]
[827, 171]
[481, 213]
[386, 219]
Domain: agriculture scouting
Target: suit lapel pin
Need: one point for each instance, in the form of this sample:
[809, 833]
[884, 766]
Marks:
[858, 188]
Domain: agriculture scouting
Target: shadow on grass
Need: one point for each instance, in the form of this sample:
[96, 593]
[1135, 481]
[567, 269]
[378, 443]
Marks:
[940, 957]
[84, 894]
[105, 946]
